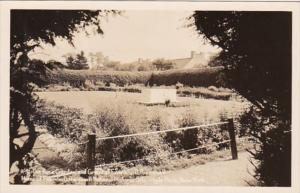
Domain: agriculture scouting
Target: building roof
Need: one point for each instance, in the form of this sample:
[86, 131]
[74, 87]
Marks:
[195, 60]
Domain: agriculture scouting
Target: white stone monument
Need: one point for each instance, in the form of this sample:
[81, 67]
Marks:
[158, 95]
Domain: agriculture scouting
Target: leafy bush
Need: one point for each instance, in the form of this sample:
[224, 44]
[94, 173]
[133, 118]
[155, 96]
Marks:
[157, 121]
[60, 120]
[105, 88]
[189, 138]
[204, 93]
[272, 150]
[133, 88]
[193, 138]
[121, 121]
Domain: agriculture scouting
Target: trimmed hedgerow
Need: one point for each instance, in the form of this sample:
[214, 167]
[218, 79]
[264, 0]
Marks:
[77, 78]
[191, 77]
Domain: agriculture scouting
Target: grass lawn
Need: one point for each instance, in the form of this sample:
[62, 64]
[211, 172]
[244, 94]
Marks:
[208, 110]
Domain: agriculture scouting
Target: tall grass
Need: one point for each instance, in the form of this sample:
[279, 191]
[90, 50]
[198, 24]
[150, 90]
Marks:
[122, 119]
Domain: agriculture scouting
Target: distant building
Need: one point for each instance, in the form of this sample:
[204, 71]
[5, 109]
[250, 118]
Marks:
[195, 60]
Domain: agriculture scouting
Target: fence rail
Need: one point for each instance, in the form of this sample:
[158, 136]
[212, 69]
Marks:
[91, 145]
[156, 156]
[162, 131]
[157, 132]
[142, 159]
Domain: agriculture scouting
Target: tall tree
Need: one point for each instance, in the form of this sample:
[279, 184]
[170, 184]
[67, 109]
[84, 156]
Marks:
[256, 54]
[79, 62]
[162, 64]
[30, 28]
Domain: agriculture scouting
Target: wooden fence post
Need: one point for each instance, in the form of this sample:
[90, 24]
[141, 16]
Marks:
[91, 152]
[232, 139]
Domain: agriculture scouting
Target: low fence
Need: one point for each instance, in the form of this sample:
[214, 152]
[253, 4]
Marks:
[92, 139]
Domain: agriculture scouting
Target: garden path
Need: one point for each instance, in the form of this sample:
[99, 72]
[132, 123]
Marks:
[223, 172]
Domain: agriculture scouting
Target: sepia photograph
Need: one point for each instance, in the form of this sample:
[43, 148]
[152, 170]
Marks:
[119, 96]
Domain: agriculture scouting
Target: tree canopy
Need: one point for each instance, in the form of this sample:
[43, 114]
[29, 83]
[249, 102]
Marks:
[256, 54]
[30, 28]
[162, 64]
[79, 62]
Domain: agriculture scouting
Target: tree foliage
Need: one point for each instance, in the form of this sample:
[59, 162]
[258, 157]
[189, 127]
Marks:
[256, 54]
[254, 48]
[30, 28]
[161, 64]
[79, 62]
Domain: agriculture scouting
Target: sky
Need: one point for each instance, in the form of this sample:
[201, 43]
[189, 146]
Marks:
[135, 34]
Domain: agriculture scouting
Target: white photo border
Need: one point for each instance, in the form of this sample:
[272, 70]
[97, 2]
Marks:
[6, 6]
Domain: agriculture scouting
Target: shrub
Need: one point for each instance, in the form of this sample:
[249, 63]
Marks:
[204, 93]
[183, 139]
[121, 121]
[189, 138]
[158, 122]
[105, 88]
[60, 120]
[193, 138]
[211, 94]
[272, 152]
[133, 88]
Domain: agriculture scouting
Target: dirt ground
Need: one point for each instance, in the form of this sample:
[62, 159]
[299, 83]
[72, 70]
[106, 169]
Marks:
[224, 172]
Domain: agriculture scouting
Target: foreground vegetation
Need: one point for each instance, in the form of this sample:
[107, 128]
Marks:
[125, 174]
[122, 116]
